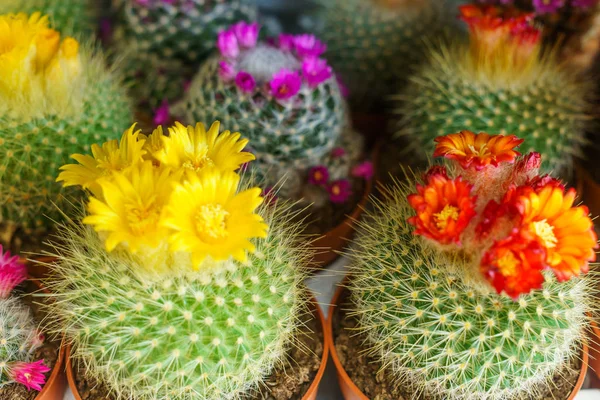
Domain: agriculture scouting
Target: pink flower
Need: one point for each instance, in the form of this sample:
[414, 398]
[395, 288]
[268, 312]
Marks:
[12, 272]
[245, 81]
[547, 6]
[363, 170]
[246, 34]
[285, 84]
[338, 152]
[226, 71]
[286, 42]
[318, 175]
[584, 3]
[269, 195]
[228, 44]
[315, 71]
[29, 374]
[162, 115]
[309, 46]
[38, 340]
[339, 191]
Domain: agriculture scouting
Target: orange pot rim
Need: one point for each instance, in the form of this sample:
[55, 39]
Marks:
[310, 394]
[343, 375]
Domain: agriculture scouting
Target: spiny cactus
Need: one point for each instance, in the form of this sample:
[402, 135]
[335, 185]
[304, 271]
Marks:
[285, 100]
[66, 101]
[506, 86]
[184, 294]
[374, 45]
[75, 17]
[170, 39]
[481, 305]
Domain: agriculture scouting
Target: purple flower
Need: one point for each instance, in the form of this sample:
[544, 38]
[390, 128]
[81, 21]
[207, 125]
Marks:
[226, 71]
[285, 84]
[318, 175]
[309, 46]
[228, 44]
[547, 6]
[339, 191]
[246, 34]
[162, 115]
[338, 152]
[286, 42]
[363, 170]
[245, 81]
[315, 71]
[584, 3]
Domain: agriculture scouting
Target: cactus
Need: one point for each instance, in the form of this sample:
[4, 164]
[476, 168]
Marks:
[68, 100]
[469, 305]
[165, 41]
[510, 88]
[374, 45]
[294, 122]
[74, 17]
[178, 299]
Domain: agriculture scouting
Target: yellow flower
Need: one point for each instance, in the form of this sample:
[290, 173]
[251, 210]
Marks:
[209, 217]
[193, 148]
[132, 208]
[112, 156]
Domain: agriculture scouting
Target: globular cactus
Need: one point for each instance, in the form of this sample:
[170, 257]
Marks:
[507, 86]
[283, 97]
[169, 39]
[374, 45]
[51, 105]
[466, 284]
[74, 17]
[184, 294]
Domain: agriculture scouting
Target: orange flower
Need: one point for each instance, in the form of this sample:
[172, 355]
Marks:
[514, 265]
[444, 208]
[493, 24]
[478, 150]
[565, 232]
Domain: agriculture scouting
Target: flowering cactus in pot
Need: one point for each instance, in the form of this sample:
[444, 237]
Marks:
[470, 281]
[180, 282]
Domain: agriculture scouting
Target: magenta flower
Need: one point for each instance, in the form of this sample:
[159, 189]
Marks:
[12, 272]
[338, 152]
[309, 46]
[363, 170]
[285, 84]
[162, 115]
[584, 3]
[318, 175]
[269, 195]
[29, 374]
[246, 34]
[315, 71]
[228, 44]
[245, 82]
[286, 42]
[547, 6]
[339, 191]
[226, 71]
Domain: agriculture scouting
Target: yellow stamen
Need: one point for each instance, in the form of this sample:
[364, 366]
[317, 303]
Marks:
[507, 264]
[211, 222]
[545, 232]
[448, 212]
[142, 218]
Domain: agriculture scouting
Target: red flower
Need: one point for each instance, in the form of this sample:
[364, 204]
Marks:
[444, 208]
[318, 175]
[339, 191]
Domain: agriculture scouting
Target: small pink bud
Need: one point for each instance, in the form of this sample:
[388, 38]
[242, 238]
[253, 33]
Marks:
[227, 44]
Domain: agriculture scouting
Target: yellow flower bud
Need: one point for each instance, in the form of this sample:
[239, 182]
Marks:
[47, 44]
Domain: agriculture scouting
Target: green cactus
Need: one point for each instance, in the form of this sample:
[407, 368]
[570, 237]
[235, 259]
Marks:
[211, 334]
[375, 46]
[19, 336]
[73, 17]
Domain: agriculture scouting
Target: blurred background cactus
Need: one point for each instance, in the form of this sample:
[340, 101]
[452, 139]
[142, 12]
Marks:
[465, 290]
[163, 42]
[189, 288]
[54, 104]
[508, 85]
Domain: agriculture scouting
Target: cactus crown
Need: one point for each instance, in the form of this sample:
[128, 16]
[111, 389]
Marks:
[180, 291]
[484, 299]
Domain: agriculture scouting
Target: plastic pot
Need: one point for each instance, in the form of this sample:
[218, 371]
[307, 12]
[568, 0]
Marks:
[311, 392]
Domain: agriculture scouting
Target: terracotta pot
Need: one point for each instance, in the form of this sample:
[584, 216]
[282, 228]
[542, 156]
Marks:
[352, 392]
[595, 350]
[311, 392]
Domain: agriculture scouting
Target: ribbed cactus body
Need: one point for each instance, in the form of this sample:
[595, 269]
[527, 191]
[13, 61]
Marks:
[374, 47]
[18, 335]
[434, 327]
[75, 17]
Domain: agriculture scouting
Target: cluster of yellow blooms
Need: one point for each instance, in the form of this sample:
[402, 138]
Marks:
[34, 60]
[178, 190]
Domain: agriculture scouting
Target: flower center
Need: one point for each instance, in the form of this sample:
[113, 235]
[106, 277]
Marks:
[482, 152]
[335, 190]
[142, 218]
[211, 222]
[441, 218]
[27, 376]
[199, 159]
[507, 264]
[545, 232]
